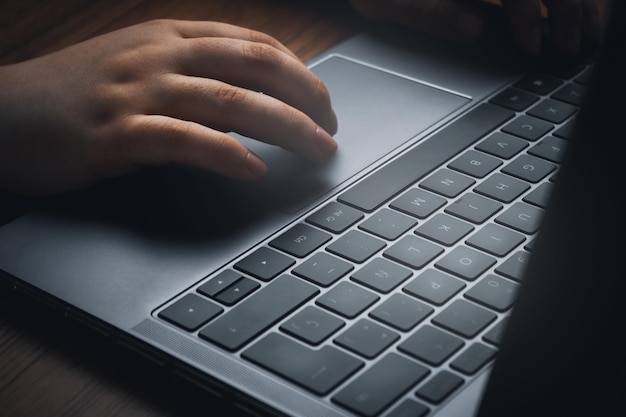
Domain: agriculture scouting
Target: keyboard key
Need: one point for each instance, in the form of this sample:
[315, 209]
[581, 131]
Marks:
[447, 183]
[439, 387]
[323, 269]
[317, 370]
[258, 312]
[381, 275]
[347, 299]
[476, 164]
[409, 408]
[465, 262]
[413, 251]
[529, 168]
[335, 217]
[572, 93]
[219, 282]
[472, 359]
[300, 240]
[494, 292]
[496, 240]
[418, 162]
[502, 145]
[388, 224]
[566, 130]
[312, 325]
[444, 229]
[553, 111]
[522, 217]
[474, 208]
[374, 390]
[529, 128]
[514, 99]
[495, 334]
[190, 312]
[539, 83]
[540, 196]
[401, 312]
[514, 266]
[464, 318]
[265, 264]
[550, 148]
[356, 246]
[502, 187]
[434, 286]
[237, 291]
[367, 338]
[431, 345]
[418, 203]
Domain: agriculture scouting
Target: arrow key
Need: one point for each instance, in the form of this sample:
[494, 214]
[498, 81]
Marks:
[237, 291]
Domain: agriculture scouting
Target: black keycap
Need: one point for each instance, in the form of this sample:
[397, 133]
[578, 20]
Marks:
[418, 203]
[258, 312]
[514, 266]
[476, 164]
[502, 187]
[401, 312]
[300, 240]
[474, 208]
[465, 262]
[312, 325]
[409, 408]
[388, 224]
[553, 111]
[494, 292]
[237, 291]
[356, 246]
[572, 93]
[434, 286]
[502, 145]
[550, 148]
[540, 196]
[335, 217]
[381, 275]
[444, 229]
[464, 318]
[439, 387]
[347, 299]
[387, 182]
[447, 183]
[431, 345]
[539, 83]
[495, 239]
[323, 269]
[514, 99]
[367, 338]
[495, 334]
[522, 217]
[529, 168]
[317, 370]
[472, 359]
[529, 128]
[374, 390]
[219, 282]
[190, 312]
[265, 263]
[413, 251]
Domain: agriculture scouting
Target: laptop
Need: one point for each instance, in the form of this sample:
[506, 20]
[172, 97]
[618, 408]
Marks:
[458, 257]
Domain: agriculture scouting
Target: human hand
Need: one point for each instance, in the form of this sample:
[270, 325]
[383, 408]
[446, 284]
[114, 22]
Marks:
[574, 24]
[157, 93]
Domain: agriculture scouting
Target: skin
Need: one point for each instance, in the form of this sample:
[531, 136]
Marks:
[574, 24]
[157, 93]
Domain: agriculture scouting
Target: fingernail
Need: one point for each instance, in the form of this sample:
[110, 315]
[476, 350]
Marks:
[255, 165]
[325, 143]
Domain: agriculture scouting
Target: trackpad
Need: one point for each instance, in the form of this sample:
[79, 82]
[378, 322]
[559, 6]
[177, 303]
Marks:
[377, 111]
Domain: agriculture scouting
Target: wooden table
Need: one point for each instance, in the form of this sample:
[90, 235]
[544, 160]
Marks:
[49, 365]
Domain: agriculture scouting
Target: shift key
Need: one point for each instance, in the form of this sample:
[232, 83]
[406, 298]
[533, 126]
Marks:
[317, 370]
[257, 313]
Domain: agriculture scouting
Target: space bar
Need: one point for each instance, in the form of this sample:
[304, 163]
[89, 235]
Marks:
[383, 184]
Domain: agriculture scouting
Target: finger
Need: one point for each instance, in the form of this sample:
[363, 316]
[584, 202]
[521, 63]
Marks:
[456, 20]
[203, 29]
[260, 67]
[525, 22]
[161, 140]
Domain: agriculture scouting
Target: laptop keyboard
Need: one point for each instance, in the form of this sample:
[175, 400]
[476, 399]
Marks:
[397, 291]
